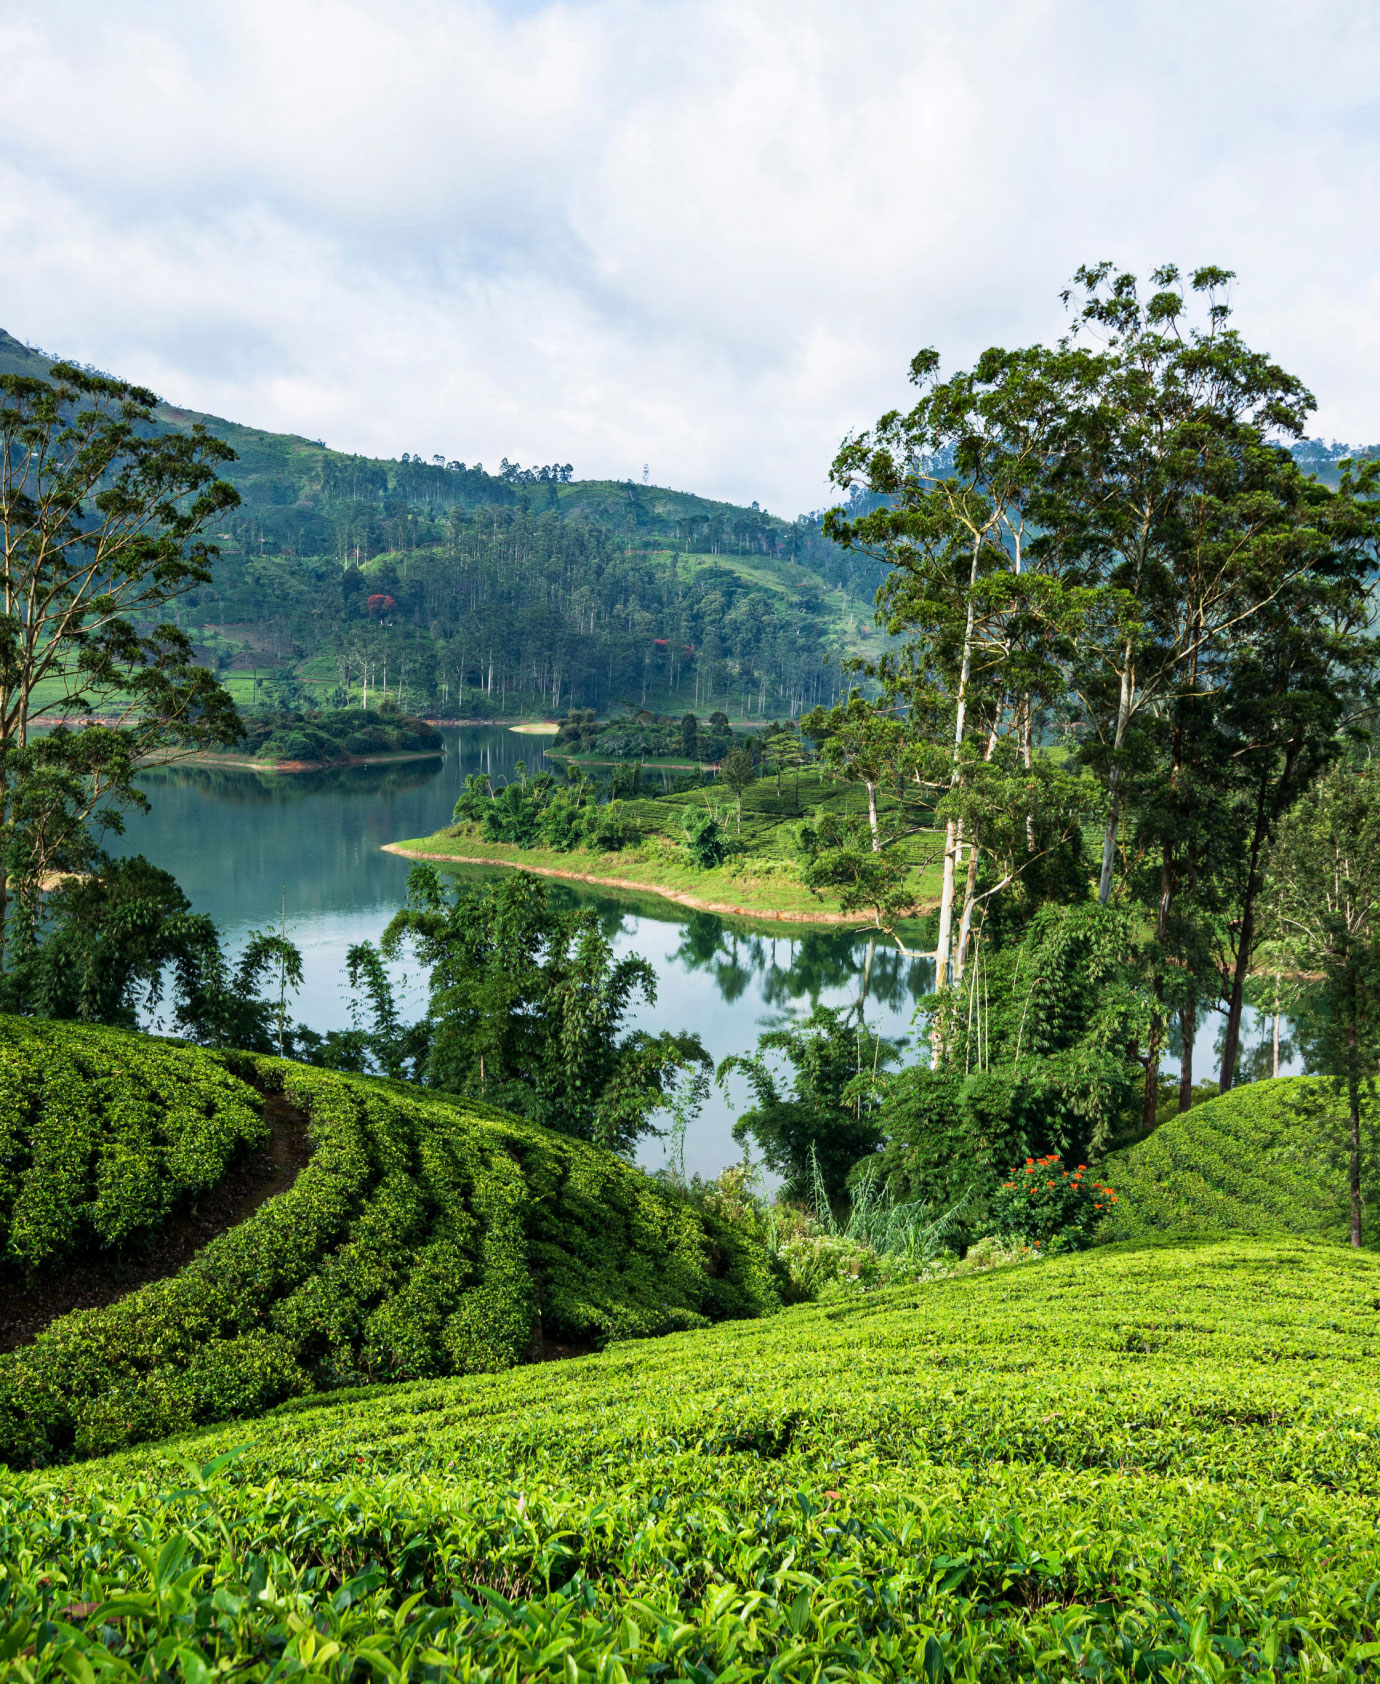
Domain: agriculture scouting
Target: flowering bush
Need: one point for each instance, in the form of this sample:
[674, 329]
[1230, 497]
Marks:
[1049, 1206]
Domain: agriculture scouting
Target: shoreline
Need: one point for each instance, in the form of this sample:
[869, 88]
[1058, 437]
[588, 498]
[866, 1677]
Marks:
[247, 763]
[766, 915]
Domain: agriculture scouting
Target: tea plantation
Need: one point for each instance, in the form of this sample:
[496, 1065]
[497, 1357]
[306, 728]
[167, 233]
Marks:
[1269, 1157]
[1154, 1463]
[422, 1238]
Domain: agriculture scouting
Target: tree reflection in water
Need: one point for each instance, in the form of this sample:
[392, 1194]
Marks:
[792, 973]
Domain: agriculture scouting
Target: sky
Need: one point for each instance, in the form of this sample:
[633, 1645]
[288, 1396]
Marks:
[706, 236]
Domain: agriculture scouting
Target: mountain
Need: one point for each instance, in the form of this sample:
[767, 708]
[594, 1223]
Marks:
[523, 590]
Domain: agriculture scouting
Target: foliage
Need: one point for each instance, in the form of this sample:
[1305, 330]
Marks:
[1267, 1157]
[705, 836]
[1323, 892]
[1039, 1061]
[1050, 1206]
[527, 1009]
[644, 736]
[827, 1118]
[119, 942]
[102, 522]
[337, 735]
[1122, 1466]
[540, 812]
[423, 1237]
[101, 1137]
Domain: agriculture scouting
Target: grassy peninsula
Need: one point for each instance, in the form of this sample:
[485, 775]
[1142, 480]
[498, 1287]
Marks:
[642, 843]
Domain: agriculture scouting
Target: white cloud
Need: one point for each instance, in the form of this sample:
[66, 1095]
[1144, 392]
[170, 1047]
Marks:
[702, 234]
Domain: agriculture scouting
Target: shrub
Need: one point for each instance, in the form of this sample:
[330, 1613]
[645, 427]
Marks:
[705, 837]
[1124, 1465]
[1049, 1206]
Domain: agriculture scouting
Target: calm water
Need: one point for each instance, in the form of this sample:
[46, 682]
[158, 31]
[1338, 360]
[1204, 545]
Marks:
[236, 841]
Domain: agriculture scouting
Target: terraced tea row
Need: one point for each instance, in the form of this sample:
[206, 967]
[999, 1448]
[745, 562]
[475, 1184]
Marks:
[1156, 1463]
[422, 1238]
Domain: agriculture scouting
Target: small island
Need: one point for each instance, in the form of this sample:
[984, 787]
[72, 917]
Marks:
[311, 740]
[652, 740]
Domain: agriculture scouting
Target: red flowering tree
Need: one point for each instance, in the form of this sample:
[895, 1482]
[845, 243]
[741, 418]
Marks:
[1049, 1206]
[381, 604]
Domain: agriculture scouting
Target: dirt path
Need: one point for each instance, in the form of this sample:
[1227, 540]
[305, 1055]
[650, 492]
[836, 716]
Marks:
[766, 915]
[26, 1310]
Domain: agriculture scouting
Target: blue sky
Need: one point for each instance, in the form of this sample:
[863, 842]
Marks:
[706, 235]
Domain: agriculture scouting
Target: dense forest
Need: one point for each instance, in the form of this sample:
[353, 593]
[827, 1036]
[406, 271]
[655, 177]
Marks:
[466, 592]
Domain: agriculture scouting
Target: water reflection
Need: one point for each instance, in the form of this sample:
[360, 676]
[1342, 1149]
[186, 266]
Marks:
[235, 840]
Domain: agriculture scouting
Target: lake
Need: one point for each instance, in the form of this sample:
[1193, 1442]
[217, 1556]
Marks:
[238, 842]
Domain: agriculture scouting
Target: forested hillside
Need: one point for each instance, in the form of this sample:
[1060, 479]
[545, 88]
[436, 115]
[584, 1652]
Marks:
[478, 592]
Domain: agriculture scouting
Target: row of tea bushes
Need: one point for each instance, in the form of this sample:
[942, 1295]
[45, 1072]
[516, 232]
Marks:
[1127, 1464]
[1266, 1157]
[424, 1237]
[103, 1134]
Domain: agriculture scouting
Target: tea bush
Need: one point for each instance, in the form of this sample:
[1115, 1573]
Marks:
[1123, 1464]
[424, 1237]
[102, 1135]
[1265, 1157]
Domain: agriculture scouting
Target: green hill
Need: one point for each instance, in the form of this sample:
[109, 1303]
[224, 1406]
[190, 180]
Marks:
[509, 593]
[422, 1237]
[1267, 1157]
[1152, 1464]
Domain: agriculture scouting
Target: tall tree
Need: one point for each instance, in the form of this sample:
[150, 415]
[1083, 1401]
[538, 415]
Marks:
[954, 483]
[102, 518]
[1324, 895]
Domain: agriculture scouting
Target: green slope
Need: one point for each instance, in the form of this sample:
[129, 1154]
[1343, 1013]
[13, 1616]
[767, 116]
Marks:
[1153, 1465]
[1268, 1157]
[423, 1237]
[539, 592]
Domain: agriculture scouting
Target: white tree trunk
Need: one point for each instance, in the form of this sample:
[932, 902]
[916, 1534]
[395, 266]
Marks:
[1123, 717]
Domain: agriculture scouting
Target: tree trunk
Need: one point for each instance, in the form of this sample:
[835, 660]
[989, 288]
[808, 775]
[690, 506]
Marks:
[965, 923]
[872, 817]
[1353, 1092]
[1274, 1063]
[1188, 1024]
[1245, 947]
[1152, 1061]
[953, 836]
[1123, 717]
[953, 841]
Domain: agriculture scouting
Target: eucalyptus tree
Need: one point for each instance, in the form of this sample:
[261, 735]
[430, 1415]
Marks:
[1298, 685]
[1106, 530]
[103, 515]
[1176, 503]
[1324, 903]
[964, 476]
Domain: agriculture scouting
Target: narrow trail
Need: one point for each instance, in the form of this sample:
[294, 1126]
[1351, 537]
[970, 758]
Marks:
[87, 1283]
[765, 915]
